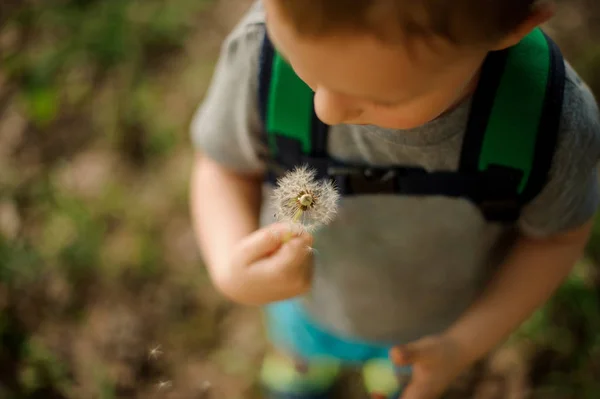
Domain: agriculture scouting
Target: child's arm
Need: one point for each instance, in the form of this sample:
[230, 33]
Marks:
[225, 208]
[250, 266]
[527, 279]
[554, 229]
[226, 134]
[530, 275]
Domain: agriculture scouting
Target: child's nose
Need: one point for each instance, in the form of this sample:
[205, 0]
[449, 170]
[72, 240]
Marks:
[333, 108]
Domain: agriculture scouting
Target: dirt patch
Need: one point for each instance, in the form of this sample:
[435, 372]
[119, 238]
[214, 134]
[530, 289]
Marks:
[103, 294]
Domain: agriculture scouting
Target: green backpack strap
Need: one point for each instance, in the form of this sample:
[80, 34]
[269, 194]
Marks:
[507, 150]
[294, 134]
[290, 106]
[515, 115]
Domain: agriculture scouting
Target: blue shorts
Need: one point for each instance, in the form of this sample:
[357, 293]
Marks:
[291, 329]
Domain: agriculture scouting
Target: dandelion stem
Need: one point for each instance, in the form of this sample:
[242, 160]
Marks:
[297, 216]
[295, 219]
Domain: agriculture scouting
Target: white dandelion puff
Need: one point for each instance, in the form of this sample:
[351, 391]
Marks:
[155, 352]
[304, 201]
[311, 250]
[164, 385]
[206, 385]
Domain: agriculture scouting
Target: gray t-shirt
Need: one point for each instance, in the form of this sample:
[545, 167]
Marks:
[395, 268]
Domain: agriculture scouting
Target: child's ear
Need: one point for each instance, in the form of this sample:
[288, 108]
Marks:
[541, 12]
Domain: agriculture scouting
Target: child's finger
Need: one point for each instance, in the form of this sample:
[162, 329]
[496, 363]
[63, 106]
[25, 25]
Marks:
[415, 390]
[262, 243]
[292, 255]
[402, 355]
[419, 388]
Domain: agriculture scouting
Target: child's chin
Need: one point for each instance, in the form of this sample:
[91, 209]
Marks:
[398, 125]
[408, 123]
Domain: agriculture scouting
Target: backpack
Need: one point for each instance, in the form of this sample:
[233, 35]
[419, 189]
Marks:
[508, 146]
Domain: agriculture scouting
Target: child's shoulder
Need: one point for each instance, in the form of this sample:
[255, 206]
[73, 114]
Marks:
[572, 194]
[580, 108]
[251, 25]
[241, 47]
[226, 123]
[579, 130]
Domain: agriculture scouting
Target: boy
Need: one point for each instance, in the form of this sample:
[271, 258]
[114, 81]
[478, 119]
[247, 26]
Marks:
[423, 280]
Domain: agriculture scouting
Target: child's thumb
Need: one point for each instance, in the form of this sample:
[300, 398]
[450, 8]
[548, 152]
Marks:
[262, 243]
[403, 355]
[420, 350]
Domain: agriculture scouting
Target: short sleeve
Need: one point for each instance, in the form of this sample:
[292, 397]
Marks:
[571, 195]
[227, 126]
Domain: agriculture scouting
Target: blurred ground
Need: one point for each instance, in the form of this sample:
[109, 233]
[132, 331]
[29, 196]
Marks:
[102, 294]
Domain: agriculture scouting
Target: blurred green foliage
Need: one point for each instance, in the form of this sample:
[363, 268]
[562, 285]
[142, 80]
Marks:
[565, 334]
[85, 75]
[55, 37]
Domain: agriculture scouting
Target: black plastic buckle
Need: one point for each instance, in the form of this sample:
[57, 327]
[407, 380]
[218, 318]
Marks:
[290, 155]
[501, 210]
[369, 180]
[319, 164]
[276, 168]
[499, 196]
[289, 150]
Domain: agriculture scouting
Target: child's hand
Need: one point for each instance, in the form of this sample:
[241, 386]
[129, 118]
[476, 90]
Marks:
[265, 268]
[436, 361]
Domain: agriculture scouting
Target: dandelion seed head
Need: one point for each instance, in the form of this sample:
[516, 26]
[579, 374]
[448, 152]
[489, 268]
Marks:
[206, 385]
[303, 200]
[164, 385]
[312, 250]
[155, 352]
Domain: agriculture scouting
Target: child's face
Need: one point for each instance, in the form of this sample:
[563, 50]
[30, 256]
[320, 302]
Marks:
[358, 79]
